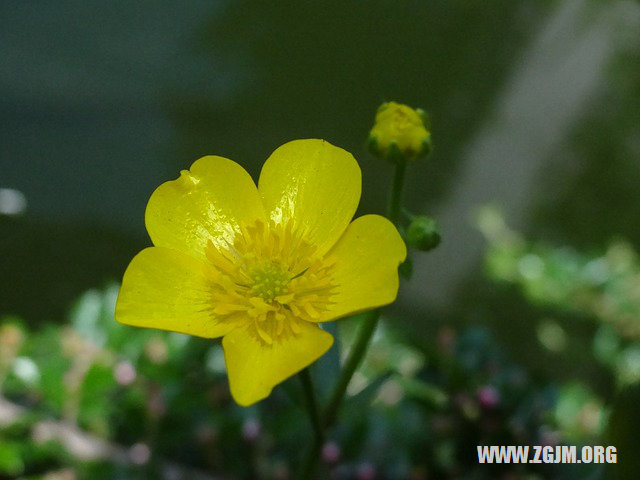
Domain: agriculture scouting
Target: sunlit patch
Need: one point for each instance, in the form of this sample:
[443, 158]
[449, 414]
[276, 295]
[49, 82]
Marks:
[270, 279]
[12, 202]
[552, 335]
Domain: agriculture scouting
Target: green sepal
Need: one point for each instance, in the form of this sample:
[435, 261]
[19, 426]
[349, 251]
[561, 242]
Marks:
[427, 147]
[372, 145]
[394, 154]
[406, 269]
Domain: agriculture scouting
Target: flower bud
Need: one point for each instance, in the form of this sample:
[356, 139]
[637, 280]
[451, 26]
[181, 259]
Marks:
[330, 452]
[488, 397]
[366, 471]
[125, 373]
[400, 133]
[423, 233]
[251, 430]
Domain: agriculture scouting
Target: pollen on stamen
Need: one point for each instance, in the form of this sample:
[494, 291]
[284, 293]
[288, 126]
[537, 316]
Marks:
[270, 277]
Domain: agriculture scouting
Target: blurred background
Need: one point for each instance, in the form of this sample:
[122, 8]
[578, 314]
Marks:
[522, 327]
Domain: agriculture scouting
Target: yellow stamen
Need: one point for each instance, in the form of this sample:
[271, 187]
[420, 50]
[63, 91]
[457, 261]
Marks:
[271, 277]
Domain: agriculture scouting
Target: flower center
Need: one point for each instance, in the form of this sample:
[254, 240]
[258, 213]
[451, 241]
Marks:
[269, 281]
[401, 120]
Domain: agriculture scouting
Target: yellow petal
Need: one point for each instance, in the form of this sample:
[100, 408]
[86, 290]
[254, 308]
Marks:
[313, 184]
[254, 367]
[169, 290]
[366, 269]
[207, 203]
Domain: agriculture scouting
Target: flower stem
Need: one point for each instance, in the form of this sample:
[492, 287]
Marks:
[311, 458]
[370, 322]
[311, 403]
[395, 201]
[359, 349]
[310, 461]
[367, 327]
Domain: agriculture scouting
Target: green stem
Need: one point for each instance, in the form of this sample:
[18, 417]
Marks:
[311, 403]
[330, 413]
[367, 327]
[395, 201]
[311, 458]
[407, 214]
[370, 322]
[310, 461]
[359, 349]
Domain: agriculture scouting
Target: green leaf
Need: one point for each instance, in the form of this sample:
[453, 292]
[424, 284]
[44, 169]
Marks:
[11, 462]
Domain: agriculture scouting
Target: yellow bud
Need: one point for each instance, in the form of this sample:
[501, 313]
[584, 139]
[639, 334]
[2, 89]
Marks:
[400, 133]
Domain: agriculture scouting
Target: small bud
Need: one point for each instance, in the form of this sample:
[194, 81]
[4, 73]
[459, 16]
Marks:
[157, 350]
[156, 403]
[488, 397]
[331, 452]
[365, 471]
[423, 233]
[139, 454]
[400, 133]
[251, 429]
[125, 373]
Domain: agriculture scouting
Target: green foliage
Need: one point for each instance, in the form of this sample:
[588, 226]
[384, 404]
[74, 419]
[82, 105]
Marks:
[11, 462]
[602, 287]
[598, 287]
[148, 403]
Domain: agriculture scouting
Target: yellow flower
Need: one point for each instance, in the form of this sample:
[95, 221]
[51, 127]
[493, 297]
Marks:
[262, 267]
[399, 133]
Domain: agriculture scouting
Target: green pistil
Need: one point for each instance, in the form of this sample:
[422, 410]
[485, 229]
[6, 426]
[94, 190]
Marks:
[269, 281]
